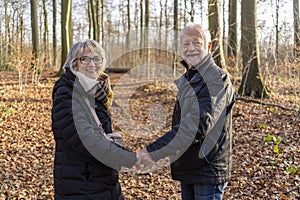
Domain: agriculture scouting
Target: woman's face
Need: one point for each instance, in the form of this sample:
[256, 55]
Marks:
[90, 63]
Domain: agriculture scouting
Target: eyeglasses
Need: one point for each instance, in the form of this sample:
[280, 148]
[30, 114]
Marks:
[87, 60]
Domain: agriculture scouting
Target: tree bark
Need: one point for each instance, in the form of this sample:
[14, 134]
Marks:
[175, 40]
[216, 33]
[296, 31]
[66, 33]
[128, 25]
[46, 34]
[232, 30]
[141, 30]
[252, 83]
[54, 33]
[34, 28]
[102, 22]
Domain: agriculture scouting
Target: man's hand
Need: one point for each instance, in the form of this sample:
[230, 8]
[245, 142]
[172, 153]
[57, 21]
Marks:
[144, 161]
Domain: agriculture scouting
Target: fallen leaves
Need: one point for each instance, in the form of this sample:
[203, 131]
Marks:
[27, 145]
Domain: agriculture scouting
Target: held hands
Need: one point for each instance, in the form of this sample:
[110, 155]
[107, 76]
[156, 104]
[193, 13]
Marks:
[144, 161]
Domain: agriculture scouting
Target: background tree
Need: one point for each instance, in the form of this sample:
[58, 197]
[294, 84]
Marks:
[102, 21]
[141, 28]
[175, 40]
[128, 25]
[252, 83]
[216, 33]
[232, 29]
[167, 23]
[66, 30]
[147, 26]
[276, 30]
[34, 27]
[93, 10]
[7, 29]
[296, 48]
[54, 55]
[45, 34]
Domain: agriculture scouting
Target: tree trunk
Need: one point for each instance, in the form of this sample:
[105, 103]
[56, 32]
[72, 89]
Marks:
[277, 32]
[46, 35]
[128, 25]
[54, 33]
[66, 33]
[167, 24]
[216, 33]
[141, 31]
[184, 13]
[232, 30]
[34, 27]
[160, 27]
[102, 22]
[192, 12]
[93, 10]
[7, 29]
[147, 23]
[90, 20]
[175, 40]
[252, 83]
[296, 30]
[97, 20]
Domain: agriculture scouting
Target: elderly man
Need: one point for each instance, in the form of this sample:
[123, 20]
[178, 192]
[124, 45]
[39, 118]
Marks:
[199, 142]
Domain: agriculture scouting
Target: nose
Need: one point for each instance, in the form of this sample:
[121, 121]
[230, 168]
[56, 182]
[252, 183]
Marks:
[191, 47]
[92, 61]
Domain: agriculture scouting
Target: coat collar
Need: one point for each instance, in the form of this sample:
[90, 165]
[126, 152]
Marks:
[201, 68]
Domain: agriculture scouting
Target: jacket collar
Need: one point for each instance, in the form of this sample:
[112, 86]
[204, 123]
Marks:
[201, 67]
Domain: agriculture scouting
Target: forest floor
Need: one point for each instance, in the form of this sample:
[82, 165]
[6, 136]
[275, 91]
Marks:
[266, 138]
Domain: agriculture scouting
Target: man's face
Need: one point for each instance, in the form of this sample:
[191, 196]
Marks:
[193, 48]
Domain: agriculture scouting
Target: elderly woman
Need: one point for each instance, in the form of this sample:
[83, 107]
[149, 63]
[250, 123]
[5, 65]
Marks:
[86, 159]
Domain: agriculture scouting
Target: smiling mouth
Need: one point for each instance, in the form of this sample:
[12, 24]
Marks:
[193, 55]
[90, 71]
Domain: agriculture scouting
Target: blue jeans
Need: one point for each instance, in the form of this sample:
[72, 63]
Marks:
[202, 192]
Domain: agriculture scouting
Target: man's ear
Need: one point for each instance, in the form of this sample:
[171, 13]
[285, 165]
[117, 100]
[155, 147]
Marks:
[209, 46]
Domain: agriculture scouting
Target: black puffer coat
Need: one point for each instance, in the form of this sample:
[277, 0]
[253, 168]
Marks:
[78, 173]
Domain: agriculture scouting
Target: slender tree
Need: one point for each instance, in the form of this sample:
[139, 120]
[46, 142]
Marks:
[128, 25]
[167, 23]
[175, 40]
[147, 26]
[192, 11]
[102, 21]
[7, 28]
[94, 19]
[34, 27]
[216, 33]
[93, 9]
[66, 30]
[277, 31]
[232, 29]
[90, 20]
[296, 30]
[46, 32]
[98, 6]
[160, 26]
[252, 83]
[54, 43]
[141, 29]
[184, 13]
